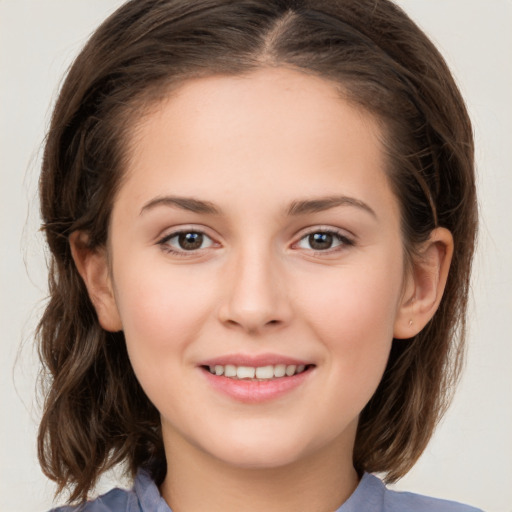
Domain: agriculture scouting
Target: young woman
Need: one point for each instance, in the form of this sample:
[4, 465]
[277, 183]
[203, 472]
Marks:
[261, 216]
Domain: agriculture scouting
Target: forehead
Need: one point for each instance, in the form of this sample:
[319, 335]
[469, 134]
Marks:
[276, 131]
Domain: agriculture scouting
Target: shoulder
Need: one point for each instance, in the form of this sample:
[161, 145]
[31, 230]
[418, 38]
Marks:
[116, 500]
[143, 497]
[372, 493]
[405, 501]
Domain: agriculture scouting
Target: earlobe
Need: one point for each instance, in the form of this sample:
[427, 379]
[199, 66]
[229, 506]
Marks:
[425, 284]
[92, 265]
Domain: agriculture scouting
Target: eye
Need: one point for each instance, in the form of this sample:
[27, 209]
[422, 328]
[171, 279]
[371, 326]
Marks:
[323, 241]
[186, 241]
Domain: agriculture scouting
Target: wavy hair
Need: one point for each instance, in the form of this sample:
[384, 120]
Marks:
[96, 415]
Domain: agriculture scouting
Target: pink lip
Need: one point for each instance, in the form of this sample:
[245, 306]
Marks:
[255, 391]
[253, 360]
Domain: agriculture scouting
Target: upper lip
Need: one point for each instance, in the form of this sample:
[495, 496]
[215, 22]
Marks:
[253, 360]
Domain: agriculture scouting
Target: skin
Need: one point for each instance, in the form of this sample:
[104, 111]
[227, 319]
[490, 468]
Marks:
[257, 150]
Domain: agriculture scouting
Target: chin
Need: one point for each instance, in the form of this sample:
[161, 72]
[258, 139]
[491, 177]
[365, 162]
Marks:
[264, 451]
[257, 458]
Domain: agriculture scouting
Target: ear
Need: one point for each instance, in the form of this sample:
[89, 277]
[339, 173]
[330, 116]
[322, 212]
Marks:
[424, 284]
[92, 265]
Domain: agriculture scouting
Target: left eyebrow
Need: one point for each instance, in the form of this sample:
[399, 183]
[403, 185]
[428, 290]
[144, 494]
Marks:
[325, 203]
[184, 203]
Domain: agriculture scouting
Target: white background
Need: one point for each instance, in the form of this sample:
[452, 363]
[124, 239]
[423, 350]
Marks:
[470, 457]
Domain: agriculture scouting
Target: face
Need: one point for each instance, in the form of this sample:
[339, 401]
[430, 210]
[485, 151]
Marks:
[257, 266]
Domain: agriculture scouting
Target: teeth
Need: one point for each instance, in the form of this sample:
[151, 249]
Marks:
[279, 370]
[245, 372]
[230, 370]
[264, 372]
[290, 370]
[260, 372]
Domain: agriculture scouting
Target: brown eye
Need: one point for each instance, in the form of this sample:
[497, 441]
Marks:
[186, 241]
[320, 241]
[324, 241]
[190, 241]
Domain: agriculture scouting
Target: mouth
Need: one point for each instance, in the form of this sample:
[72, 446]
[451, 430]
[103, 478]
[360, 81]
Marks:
[257, 373]
[255, 380]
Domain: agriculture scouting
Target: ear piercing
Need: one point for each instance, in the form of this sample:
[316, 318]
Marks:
[410, 323]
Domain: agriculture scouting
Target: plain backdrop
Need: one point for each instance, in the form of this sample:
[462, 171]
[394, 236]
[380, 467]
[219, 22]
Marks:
[470, 457]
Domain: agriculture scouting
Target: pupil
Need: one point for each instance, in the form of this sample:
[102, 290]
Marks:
[190, 241]
[320, 240]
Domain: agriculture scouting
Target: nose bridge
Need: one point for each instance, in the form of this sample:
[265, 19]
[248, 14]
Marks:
[256, 297]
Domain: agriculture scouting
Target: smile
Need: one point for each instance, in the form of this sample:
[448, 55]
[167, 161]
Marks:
[252, 380]
[268, 372]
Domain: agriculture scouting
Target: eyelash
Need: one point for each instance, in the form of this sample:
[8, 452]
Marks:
[164, 242]
[342, 239]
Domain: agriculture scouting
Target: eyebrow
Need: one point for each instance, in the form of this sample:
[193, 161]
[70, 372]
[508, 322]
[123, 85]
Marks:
[325, 203]
[185, 203]
[296, 208]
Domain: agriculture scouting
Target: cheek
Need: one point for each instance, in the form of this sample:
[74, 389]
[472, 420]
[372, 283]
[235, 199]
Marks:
[162, 312]
[358, 305]
[353, 312]
[355, 325]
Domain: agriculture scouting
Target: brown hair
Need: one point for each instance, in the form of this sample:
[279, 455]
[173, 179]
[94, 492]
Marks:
[96, 414]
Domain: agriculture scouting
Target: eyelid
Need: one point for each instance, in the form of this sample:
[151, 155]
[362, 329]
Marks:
[347, 239]
[162, 241]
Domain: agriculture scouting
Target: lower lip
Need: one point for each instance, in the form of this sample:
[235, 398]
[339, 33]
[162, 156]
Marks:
[256, 391]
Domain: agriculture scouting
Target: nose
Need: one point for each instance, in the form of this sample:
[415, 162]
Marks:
[256, 297]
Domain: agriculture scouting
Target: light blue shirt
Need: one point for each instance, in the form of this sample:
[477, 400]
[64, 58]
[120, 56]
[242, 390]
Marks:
[371, 495]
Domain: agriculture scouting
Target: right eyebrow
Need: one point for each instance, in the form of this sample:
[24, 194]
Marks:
[325, 203]
[185, 203]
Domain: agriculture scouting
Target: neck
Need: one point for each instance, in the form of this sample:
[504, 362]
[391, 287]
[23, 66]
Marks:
[196, 481]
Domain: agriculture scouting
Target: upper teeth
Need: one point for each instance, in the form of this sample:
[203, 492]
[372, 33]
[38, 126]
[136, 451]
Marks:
[259, 372]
